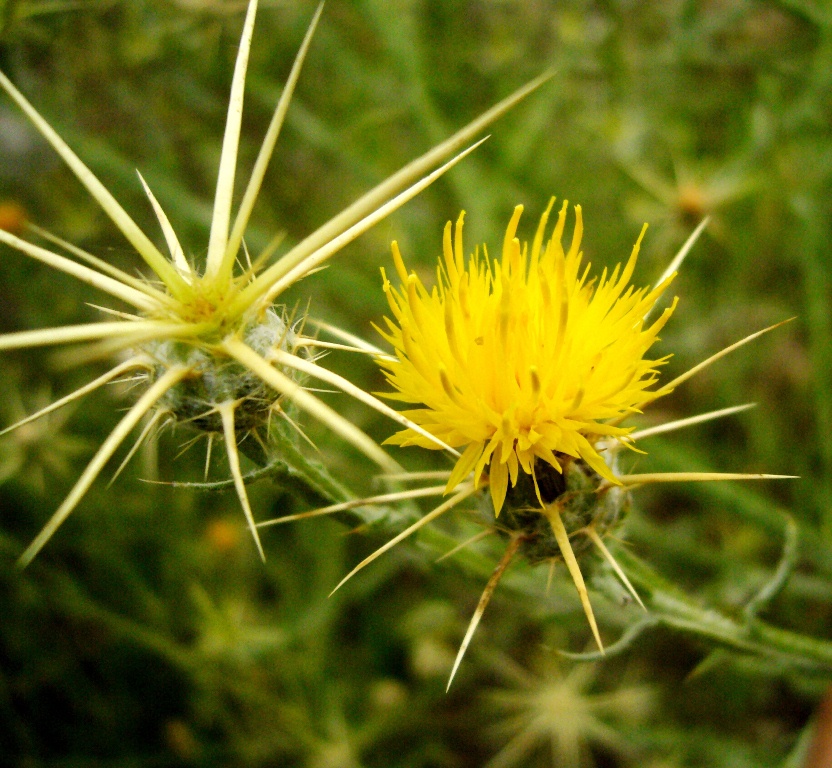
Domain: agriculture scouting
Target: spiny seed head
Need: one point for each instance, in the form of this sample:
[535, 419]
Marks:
[204, 336]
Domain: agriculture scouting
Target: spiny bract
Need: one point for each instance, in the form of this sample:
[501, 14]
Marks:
[206, 339]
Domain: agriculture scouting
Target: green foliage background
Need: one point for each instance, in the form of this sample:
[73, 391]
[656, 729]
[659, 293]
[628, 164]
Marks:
[148, 633]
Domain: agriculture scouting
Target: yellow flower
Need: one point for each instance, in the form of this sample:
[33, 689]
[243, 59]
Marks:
[211, 346]
[530, 365]
[521, 359]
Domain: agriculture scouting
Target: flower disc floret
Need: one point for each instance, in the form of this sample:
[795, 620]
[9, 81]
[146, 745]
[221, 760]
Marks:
[522, 358]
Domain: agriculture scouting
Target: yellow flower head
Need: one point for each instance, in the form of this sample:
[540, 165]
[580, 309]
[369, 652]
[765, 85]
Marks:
[527, 363]
[522, 358]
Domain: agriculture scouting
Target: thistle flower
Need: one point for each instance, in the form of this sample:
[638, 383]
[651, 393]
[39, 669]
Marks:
[579, 368]
[207, 340]
[529, 365]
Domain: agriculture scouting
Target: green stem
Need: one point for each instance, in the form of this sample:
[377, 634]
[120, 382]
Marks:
[317, 482]
[670, 606]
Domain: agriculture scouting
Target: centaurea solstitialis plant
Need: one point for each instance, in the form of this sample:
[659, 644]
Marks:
[529, 365]
[207, 339]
